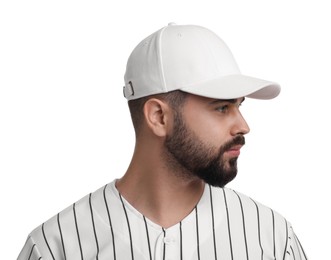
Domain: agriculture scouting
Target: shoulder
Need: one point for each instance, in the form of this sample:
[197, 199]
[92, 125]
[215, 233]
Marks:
[72, 225]
[260, 224]
[237, 201]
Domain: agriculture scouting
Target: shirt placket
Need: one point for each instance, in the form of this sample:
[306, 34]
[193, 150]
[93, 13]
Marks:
[168, 245]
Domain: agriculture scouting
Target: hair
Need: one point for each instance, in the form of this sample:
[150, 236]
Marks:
[174, 98]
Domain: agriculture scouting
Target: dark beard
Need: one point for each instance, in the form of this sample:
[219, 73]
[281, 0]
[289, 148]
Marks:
[196, 159]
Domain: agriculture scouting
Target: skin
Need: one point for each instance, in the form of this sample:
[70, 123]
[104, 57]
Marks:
[161, 189]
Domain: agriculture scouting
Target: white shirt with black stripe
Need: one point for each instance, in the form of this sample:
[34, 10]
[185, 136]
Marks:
[224, 225]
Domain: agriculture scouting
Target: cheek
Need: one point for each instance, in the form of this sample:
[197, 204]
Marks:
[208, 129]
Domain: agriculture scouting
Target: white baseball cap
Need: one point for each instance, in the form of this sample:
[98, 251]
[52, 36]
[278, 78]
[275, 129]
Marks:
[192, 59]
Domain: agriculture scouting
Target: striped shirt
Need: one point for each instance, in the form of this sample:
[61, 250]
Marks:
[224, 225]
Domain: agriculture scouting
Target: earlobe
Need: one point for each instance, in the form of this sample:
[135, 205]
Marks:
[156, 114]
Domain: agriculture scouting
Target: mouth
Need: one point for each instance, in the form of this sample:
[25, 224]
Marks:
[234, 151]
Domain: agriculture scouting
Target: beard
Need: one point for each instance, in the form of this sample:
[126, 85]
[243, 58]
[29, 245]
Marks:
[191, 158]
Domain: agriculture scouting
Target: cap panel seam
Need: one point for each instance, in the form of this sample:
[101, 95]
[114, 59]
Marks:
[160, 60]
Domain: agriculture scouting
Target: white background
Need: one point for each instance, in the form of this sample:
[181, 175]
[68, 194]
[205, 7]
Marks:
[65, 128]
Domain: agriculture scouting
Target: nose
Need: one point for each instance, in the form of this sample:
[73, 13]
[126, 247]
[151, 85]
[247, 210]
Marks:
[240, 125]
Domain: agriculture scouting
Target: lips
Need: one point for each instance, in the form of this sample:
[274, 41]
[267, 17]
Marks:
[234, 151]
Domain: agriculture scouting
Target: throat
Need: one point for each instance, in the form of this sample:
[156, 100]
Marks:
[166, 205]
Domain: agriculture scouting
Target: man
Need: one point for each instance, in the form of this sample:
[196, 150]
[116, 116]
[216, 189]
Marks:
[184, 91]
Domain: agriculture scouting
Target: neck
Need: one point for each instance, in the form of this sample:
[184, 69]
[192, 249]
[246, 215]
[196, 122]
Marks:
[157, 192]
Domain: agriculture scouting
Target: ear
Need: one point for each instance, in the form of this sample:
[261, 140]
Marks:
[157, 115]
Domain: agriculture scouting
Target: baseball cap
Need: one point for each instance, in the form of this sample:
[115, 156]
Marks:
[192, 59]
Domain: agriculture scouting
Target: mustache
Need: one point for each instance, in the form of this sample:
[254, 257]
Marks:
[238, 140]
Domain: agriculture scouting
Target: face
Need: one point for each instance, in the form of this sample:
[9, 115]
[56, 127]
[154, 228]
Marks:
[206, 139]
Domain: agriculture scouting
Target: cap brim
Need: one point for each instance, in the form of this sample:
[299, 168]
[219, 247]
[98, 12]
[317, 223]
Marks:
[235, 86]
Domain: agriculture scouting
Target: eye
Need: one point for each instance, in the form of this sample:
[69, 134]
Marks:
[223, 109]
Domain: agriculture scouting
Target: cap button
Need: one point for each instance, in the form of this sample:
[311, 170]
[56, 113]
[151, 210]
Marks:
[172, 23]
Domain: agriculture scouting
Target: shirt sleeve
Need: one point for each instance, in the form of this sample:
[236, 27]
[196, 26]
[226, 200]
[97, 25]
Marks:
[295, 250]
[29, 251]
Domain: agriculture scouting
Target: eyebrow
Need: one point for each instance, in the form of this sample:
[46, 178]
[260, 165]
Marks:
[232, 101]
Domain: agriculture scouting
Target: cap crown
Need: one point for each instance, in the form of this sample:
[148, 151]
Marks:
[192, 59]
